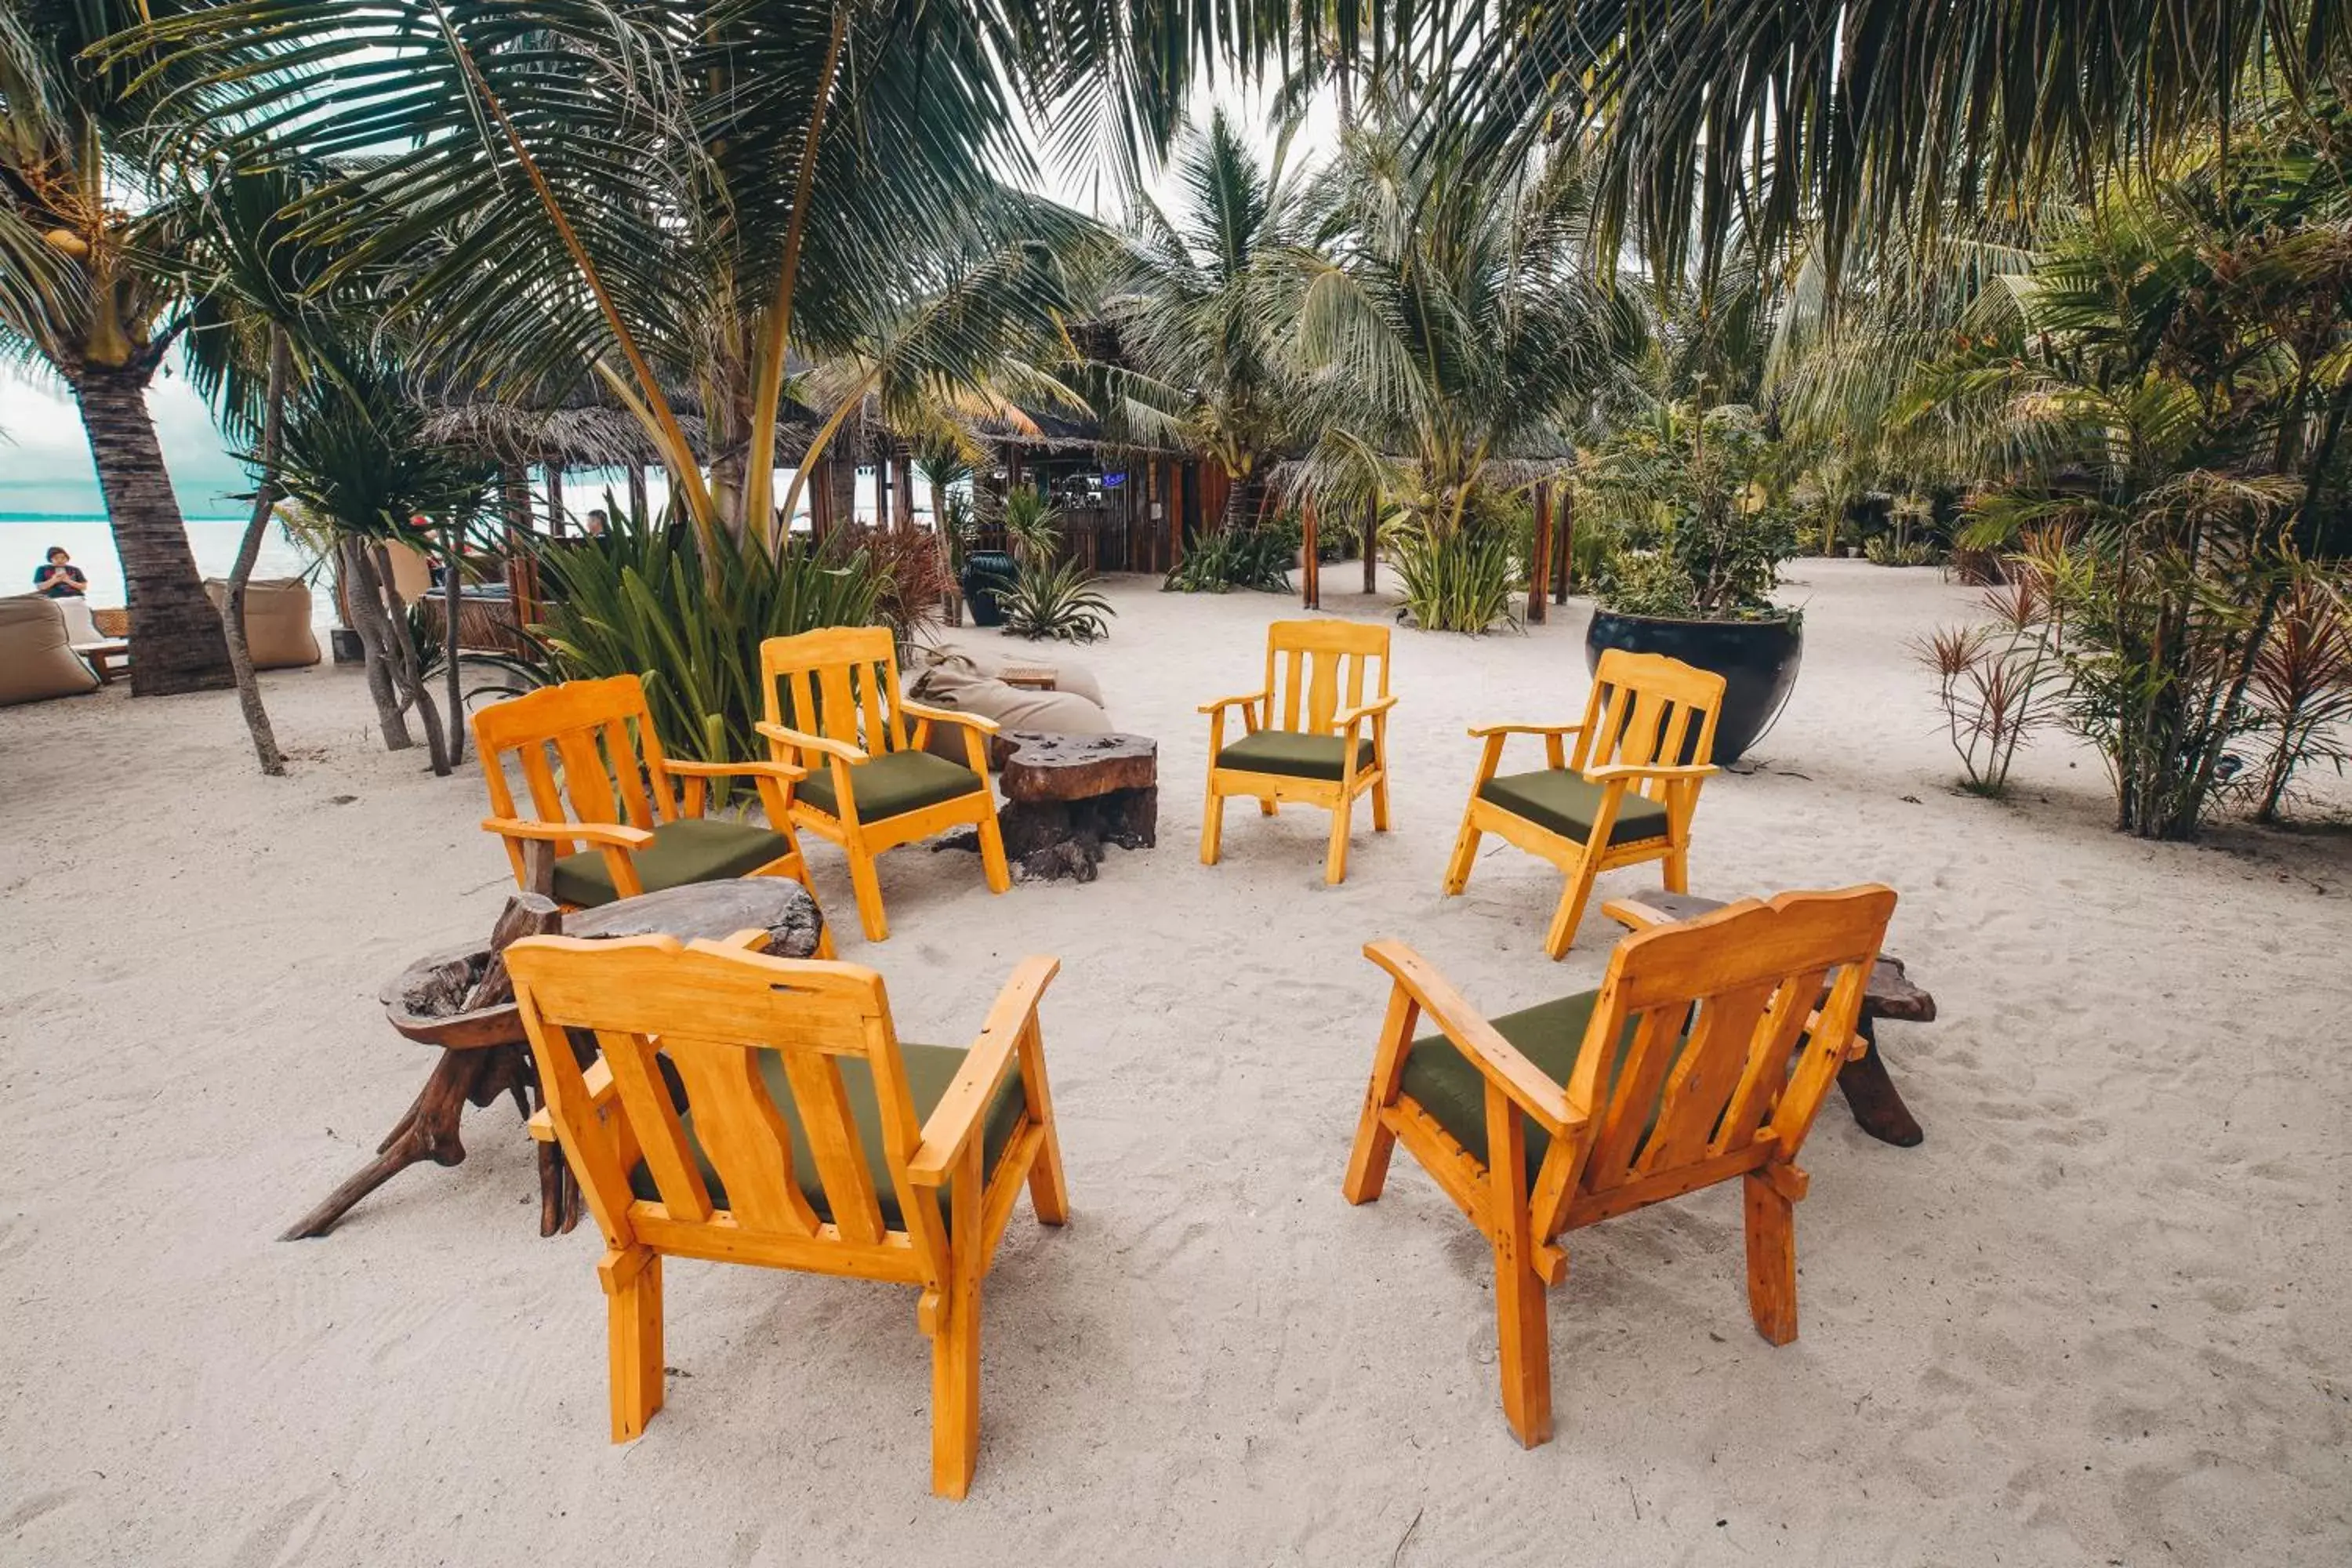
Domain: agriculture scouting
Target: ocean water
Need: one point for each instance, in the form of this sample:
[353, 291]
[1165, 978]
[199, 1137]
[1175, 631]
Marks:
[25, 545]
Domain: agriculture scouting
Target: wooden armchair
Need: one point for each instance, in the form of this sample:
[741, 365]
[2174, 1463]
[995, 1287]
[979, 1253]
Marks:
[835, 708]
[591, 745]
[1701, 1058]
[803, 1135]
[1623, 795]
[1320, 753]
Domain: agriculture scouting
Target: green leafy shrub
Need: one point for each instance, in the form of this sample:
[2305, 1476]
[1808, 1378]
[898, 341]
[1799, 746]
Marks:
[1258, 558]
[1694, 489]
[1457, 582]
[647, 601]
[1060, 602]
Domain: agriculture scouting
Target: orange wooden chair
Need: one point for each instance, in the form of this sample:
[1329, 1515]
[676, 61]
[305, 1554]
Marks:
[1703, 1057]
[1623, 795]
[835, 708]
[605, 818]
[806, 1137]
[1320, 752]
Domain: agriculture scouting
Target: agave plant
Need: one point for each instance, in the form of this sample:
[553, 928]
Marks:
[1060, 602]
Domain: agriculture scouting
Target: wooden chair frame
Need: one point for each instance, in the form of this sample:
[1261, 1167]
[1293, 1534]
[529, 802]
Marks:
[1735, 1097]
[1639, 718]
[848, 676]
[619, 782]
[1305, 662]
[710, 1007]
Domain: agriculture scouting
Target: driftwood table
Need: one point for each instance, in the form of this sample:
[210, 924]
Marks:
[1067, 796]
[1878, 1110]
[463, 1001]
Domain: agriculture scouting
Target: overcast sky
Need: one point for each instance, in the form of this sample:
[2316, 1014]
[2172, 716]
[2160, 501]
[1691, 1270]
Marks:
[45, 463]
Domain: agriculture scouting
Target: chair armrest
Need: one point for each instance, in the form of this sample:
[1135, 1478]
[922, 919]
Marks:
[986, 726]
[599, 1078]
[615, 835]
[1499, 1060]
[1251, 698]
[1480, 732]
[807, 742]
[956, 1116]
[1357, 715]
[1692, 771]
[789, 773]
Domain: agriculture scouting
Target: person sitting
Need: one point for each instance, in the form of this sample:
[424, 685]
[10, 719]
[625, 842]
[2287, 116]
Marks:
[59, 578]
[597, 523]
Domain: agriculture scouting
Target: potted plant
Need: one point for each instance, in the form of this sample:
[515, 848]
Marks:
[1699, 532]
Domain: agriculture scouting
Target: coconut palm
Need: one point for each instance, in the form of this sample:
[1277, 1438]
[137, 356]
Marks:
[1207, 300]
[679, 200]
[94, 291]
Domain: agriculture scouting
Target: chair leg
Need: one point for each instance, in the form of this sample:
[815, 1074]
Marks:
[1213, 825]
[633, 1312]
[1465, 854]
[955, 1386]
[1368, 1158]
[1562, 930]
[1266, 805]
[1676, 870]
[869, 887]
[1523, 1345]
[1771, 1259]
[1335, 863]
[992, 855]
[1380, 802]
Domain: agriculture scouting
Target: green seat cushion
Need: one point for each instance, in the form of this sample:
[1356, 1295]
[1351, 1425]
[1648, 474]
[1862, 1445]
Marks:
[1454, 1092]
[891, 784]
[1566, 802]
[1296, 755]
[692, 849]
[929, 1068]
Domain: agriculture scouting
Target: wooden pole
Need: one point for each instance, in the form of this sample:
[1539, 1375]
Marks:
[1371, 546]
[1175, 514]
[555, 500]
[638, 506]
[907, 489]
[1310, 570]
[1564, 569]
[1539, 557]
[882, 491]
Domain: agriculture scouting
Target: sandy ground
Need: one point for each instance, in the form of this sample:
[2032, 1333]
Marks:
[2101, 1316]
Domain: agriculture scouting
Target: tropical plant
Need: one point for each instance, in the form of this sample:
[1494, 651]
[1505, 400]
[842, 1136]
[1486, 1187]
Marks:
[2301, 688]
[686, 613]
[1457, 582]
[92, 285]
[1697, 529]
[1257, 556]
[1998, 680]
[1033, 528]
[1205, 301]
[1061, 603]
[1449, 318]
[646, 199]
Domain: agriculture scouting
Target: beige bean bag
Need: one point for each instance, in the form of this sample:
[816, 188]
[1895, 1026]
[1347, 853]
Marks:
[37, 661]
[954, 681]
[277, 621]
[991, 662]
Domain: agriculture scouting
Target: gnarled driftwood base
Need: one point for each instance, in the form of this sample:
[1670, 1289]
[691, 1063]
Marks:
[1065, 796]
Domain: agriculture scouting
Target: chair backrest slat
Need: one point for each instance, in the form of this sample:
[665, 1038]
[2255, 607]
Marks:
[600, 733]
[840, 682]
[1307, 663]
[1719, 1058]
[716, 1013]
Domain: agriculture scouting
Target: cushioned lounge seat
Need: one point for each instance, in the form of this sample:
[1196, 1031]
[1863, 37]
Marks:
[1550, 1034]
[891, 784]
[691, 849]
[929, 1068]
[1295, 755]
[1565, 803]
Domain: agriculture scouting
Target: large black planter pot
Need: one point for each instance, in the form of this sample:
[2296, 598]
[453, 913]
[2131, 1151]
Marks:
[986, 574]
[1758, 661]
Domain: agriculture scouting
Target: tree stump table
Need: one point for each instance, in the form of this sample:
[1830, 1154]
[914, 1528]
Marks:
[1878, 1108]
[463, 1001]
[1067, 796]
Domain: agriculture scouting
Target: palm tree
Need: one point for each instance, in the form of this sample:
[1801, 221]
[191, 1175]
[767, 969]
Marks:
[93, 292]
[1208, 299]
[670, 198]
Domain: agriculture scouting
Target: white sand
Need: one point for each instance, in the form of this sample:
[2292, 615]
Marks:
[2100, 1316]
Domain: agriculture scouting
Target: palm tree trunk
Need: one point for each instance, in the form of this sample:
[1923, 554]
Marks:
[176, 640]
[363, 595]
[249, 550]
[451, 589]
